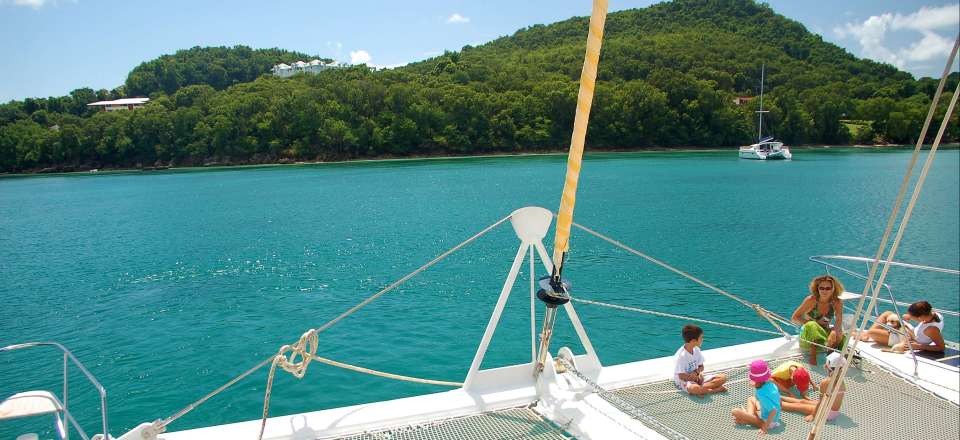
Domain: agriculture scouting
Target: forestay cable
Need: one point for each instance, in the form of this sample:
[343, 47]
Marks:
[160, 425]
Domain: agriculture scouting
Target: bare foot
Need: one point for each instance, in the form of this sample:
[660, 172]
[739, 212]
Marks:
[721, 389]
[808, 418]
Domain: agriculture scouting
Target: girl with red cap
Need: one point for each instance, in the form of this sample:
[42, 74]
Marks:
[809, 407]
[791, 374]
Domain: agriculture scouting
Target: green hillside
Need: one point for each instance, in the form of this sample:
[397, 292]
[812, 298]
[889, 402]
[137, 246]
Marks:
[218, 67]
[668, 77]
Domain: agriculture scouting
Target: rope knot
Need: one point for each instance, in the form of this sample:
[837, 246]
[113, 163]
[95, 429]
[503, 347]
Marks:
[300, 354]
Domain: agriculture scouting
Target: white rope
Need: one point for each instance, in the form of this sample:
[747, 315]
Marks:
[670, 315]
[397, 283]
[705, 321]
[838, 375]
[635, 412]
[299, 368]
[764, 313]
[304, 351]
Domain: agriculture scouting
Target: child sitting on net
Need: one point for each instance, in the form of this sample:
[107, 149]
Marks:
[688, 366]
[763, 408]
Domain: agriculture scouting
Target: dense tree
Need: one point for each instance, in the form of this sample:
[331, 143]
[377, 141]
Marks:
[218, 67]
[667, 78]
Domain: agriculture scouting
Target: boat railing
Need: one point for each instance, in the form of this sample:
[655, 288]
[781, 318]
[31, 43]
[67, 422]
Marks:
[69, 358]
[825, 260]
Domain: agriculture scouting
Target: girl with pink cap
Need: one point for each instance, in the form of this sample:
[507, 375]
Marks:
[763, 409]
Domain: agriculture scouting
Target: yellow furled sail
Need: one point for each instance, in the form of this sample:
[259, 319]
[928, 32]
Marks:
[588, 77]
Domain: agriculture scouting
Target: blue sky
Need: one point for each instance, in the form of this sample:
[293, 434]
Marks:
[50, 47]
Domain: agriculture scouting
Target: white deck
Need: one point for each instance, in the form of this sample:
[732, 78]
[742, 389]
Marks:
[567, 402]
[940, 379]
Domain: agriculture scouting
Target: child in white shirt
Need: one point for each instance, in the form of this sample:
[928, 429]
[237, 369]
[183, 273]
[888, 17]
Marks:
[688, 366]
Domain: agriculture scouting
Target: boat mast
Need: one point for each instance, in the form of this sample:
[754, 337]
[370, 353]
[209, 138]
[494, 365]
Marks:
[554, 290]
[761, 112]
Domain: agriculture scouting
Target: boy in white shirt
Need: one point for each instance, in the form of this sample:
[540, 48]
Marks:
[688, 366]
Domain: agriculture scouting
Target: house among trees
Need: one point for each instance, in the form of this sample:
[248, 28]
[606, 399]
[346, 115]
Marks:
[316, 66]
[741, 100]
[119, 104]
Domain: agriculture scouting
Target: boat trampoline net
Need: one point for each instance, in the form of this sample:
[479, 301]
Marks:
[514, 423]
[877, 405]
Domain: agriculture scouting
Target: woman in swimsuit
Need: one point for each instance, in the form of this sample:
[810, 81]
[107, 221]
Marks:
[814, 314]
[926, 336]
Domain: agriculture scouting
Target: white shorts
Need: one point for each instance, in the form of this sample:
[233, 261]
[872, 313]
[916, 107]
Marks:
[894, 339]
[683, 383]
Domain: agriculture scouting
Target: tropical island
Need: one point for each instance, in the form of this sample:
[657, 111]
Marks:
[676, 74]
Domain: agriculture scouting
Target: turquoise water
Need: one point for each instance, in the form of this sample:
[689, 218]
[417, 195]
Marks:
[167, 285]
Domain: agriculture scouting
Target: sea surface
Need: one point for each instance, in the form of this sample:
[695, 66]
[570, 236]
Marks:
[168, 284]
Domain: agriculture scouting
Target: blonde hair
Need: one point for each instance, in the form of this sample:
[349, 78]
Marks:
[837, 285]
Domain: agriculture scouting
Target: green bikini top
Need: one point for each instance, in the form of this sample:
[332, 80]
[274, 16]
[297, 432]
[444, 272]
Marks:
[815, 313]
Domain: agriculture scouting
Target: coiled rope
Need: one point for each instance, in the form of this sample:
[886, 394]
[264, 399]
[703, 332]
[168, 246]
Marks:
[305, 348]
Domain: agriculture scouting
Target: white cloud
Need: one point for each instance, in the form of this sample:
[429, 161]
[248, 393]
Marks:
[359, 57]
[35, 4]
[457, 18]
[872, 33]
[927, 19]
[930, 47]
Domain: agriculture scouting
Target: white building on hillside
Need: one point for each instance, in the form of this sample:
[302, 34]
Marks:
[119, 104]
[285, 71]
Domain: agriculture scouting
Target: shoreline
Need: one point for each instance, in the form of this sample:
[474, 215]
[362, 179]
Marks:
[411, 158]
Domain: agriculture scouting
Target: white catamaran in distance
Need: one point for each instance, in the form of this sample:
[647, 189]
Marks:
[561, 394]
[766, 147]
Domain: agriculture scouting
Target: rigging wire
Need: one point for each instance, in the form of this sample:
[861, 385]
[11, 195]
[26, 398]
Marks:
[764, 313]
[670, 315]
[160, 425]
[837, 376]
